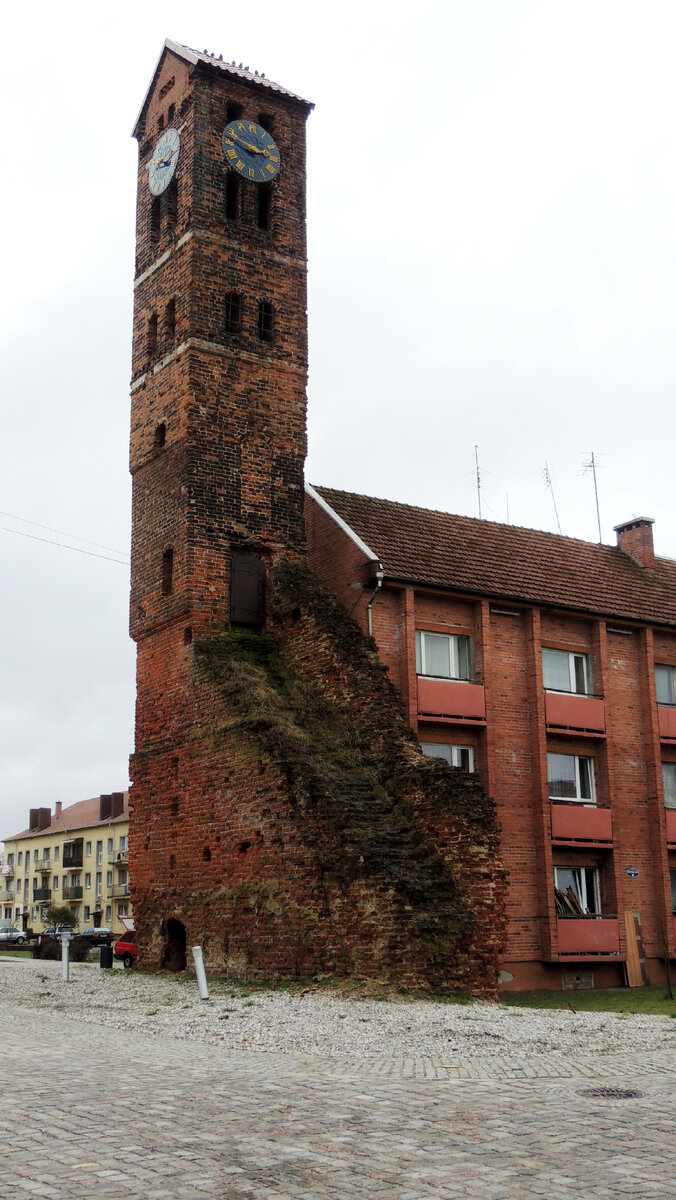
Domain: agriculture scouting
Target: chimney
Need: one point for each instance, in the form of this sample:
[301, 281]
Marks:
[40, 818]
[636, 538]
[57, 810]
[117, 804]
[105, 807]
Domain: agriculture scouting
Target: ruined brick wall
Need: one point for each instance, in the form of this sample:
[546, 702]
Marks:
[299, 830]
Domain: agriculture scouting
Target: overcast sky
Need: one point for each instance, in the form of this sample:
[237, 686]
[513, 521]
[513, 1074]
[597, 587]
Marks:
[492, 245]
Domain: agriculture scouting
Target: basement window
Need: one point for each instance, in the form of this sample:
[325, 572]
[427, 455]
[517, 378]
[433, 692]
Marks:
[571, 777]
[457, 756]
[167, 572]
[233, 313]
[576, 891]
[564, 672]
[443, 655]
[665, 685]
[265, 321]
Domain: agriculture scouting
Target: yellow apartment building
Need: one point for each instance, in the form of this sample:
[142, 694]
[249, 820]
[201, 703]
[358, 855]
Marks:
[77, 856]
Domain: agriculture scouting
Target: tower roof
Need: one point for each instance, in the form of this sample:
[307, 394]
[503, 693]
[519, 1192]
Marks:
[231, 69]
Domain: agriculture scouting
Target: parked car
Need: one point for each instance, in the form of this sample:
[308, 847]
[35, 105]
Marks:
[126, 948]
[55, 931]
[12, 937]
[97, 935]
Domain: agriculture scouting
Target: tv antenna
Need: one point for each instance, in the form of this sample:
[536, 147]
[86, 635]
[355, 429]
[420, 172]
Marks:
[586, 468]
[478, 478]
[550, 488]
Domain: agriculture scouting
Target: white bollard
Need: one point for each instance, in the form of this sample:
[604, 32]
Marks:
[200, 972]
[65, 961]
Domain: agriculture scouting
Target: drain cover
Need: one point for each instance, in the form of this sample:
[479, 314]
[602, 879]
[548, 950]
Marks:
[610, 1093]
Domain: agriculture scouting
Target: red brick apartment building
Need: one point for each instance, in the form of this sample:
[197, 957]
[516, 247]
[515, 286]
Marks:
[548, 666]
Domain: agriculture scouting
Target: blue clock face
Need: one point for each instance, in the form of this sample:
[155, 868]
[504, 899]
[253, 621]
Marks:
[250, 151]
[163, 162]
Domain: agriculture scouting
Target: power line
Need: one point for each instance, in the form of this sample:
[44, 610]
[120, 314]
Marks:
[63, 546]
[62, 532]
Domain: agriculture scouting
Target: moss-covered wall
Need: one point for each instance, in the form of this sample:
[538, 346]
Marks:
[292, 825]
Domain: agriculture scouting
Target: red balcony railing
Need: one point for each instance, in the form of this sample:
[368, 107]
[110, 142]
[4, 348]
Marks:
[575, 823]
[667, 720]
[588, 936]
[583, 714]
[451, 700]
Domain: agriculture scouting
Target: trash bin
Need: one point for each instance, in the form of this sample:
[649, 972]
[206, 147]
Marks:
[106, 956]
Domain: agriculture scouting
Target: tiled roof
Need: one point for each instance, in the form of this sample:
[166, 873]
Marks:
[82, 815]
[230, 68]
[503, 561]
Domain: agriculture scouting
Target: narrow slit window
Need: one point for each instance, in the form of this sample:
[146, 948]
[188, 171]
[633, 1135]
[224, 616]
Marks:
[265, 321]
[170, 114]
[170, 321]
[152, 333]
[264, 205]
[160, 436]
[234, 110]
[233, 312]
[155, 219]
[231, 196]
[167, 572]
[172, 203]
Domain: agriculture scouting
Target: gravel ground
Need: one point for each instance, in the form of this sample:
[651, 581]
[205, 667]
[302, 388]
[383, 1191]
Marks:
[320, 1023]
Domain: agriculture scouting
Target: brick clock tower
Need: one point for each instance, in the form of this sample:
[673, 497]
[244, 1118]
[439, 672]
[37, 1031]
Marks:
[279, 815]
[218, 403]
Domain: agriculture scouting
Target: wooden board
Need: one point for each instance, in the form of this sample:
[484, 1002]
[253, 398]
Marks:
[636, 969]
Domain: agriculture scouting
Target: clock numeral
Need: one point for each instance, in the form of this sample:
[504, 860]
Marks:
[251, 172]
[239, 165]
[230, 131]
[232, 154]
[261, 173]
[240, 126]
[228, 141]
[252, 127]
[269, 168]
[273, 159]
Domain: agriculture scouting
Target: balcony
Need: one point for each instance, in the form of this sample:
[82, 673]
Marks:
[71, 893]
[575, 824]
[666, 715]
[6, 896]
[45, 866]
[569, 712]
[120, 891]
[451, 700]
[72, 862]
[41, 894]
[582, 937]
[119, 860]
[7, 872]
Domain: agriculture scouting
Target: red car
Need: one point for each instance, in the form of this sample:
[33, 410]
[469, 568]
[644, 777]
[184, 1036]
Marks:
[126, 948]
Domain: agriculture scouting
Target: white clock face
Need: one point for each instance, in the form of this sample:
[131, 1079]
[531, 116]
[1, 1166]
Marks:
[163, 162]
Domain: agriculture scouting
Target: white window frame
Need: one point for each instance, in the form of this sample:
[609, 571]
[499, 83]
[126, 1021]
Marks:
[669, 677]
[578, 798]
[460, 645]
[453, 754]
[669, 784]
[579, 672]
[584, 880]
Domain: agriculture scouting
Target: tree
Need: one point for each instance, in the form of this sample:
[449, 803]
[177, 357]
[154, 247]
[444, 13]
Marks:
[60, 914]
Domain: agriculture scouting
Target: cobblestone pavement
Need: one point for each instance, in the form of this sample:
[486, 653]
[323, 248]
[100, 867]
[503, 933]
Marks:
[105, 1114]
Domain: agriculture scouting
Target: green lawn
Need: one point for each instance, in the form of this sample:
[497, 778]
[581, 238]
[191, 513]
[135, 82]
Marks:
[651, 1001]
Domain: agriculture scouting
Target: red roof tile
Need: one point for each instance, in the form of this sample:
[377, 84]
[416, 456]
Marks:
[82, 815]
[503, 561]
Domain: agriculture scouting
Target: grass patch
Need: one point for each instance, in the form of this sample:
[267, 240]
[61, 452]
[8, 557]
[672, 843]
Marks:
[18, 953]
[650, 1001]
